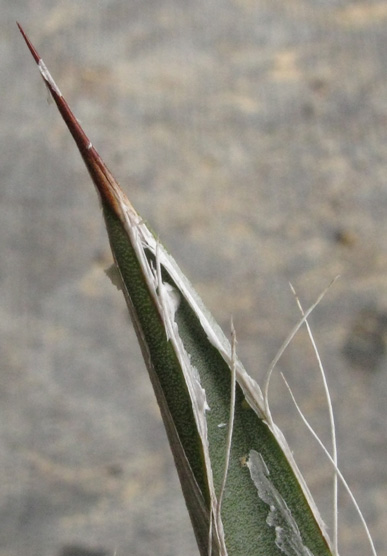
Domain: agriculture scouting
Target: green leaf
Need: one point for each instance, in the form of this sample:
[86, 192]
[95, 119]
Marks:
[265, 507]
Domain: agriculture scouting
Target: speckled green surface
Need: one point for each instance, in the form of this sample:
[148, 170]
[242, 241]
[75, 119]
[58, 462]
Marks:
[252, 137]
[244, 513]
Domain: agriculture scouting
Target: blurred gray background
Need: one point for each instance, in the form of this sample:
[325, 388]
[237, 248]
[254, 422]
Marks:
[251, 134]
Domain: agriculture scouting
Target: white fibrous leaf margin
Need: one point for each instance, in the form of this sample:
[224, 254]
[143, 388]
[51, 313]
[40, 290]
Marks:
[142, 239]
[287, 534]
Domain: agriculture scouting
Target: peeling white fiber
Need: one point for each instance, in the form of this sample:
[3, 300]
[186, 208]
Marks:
[287, 534]
[47, 77]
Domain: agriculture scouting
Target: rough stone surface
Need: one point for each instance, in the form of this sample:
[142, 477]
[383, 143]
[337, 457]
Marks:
[251, 135]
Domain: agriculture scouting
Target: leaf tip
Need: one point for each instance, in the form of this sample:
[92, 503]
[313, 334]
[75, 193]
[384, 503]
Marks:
[107, 187]
[31, 47]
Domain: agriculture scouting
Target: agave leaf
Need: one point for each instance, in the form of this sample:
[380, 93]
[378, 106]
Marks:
[265, 508]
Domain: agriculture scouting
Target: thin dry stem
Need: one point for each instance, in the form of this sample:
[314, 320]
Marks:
[283, 348]
[231, 418]
[337, 470]
[332, 424]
